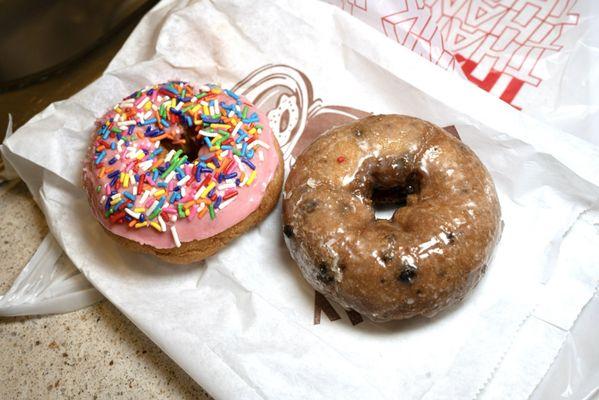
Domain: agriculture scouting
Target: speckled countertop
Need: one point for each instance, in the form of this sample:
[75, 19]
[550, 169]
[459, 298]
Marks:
[91, 353]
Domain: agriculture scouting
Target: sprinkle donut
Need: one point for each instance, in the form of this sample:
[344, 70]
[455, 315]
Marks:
[179, 171]
[428, 255]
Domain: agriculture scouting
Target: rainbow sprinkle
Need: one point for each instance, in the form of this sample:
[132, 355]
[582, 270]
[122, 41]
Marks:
[170, 152]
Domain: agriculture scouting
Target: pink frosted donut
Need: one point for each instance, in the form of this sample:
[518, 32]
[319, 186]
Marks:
[179, 171]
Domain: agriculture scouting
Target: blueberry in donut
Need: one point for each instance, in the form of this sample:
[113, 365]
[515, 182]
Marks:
[434, 248]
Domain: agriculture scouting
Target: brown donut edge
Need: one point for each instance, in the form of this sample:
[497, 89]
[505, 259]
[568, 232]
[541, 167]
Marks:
[198, 250]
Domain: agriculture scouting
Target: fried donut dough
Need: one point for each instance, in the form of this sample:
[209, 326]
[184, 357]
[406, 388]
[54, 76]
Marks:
[428, 255]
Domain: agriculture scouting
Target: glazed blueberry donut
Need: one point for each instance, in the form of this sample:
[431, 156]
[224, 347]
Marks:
[179, 171]
[428, 255]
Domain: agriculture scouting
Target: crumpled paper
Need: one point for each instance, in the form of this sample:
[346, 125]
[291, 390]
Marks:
[242, 323]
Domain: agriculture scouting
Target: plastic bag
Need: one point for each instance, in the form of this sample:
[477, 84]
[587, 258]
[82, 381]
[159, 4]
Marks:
[48, 284]
[538, 56]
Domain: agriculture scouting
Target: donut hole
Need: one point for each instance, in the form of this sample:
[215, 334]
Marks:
[386, 199]
[185, 139]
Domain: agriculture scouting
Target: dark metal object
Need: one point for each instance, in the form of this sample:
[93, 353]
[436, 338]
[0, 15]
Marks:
[40, 37]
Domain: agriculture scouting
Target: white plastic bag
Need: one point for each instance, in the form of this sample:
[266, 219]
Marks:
[45, 285]
[540, 56]
[48, 286]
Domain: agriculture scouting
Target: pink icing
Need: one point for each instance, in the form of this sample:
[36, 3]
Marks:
[192, 228]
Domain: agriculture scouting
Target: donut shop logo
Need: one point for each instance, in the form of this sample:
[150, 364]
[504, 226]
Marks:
[502, 46]
[295, 115]
[296, 118]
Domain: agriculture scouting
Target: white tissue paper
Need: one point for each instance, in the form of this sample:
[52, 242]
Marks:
[244, 324]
